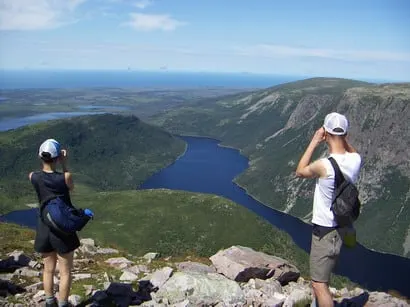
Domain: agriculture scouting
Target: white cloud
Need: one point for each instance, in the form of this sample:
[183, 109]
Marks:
[150, 22]
[36, 15]
[142, 4]
[278, 51]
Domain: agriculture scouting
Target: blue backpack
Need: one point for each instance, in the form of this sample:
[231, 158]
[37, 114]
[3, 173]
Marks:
[63, 218]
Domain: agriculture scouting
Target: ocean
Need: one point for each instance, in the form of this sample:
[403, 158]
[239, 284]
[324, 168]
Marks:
[25, 79]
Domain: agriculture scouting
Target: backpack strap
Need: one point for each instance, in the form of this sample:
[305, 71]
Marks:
[339, 178]
[40, 182]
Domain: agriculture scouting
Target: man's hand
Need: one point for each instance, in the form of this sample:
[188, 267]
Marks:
[63, 159]
[315, 169]
[319, 136]
[63, 154]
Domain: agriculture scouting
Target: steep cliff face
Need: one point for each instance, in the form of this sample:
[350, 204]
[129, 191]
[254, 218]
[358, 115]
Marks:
[274, 126]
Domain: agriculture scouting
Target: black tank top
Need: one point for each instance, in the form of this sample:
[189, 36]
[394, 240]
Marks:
[49, 186]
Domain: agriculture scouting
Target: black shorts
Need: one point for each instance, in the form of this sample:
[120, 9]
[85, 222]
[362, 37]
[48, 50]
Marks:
[47, 241]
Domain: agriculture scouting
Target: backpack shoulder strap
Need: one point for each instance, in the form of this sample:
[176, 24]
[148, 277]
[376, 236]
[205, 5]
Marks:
[42, 205]
[339, 178]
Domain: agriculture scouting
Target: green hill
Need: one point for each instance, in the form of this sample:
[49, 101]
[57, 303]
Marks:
[106, 152]
[273, 126]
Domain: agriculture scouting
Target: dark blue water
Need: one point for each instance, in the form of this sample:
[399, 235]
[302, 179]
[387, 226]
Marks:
[84, 79]
[13, 123]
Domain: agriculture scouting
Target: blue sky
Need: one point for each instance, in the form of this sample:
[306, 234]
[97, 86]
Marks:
[356, 39]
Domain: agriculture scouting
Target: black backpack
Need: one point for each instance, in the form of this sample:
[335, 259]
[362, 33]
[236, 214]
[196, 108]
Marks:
[346, 204]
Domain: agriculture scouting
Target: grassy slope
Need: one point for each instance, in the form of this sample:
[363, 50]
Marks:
[270, 176]
[106, 152]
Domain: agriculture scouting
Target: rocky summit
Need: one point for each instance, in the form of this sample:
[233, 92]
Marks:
[237, 276]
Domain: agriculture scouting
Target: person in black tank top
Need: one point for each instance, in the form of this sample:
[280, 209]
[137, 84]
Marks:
[49, 184]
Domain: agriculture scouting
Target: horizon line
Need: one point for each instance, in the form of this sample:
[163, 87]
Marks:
[165, 71]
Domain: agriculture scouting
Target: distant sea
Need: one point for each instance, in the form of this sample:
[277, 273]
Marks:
[25, 79]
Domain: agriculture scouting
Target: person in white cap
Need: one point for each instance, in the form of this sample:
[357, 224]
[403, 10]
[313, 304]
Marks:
[49, 183]
[327, 236]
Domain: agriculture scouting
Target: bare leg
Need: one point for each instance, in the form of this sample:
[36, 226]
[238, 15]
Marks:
[65, 264]
[322, 294]
[49, 260]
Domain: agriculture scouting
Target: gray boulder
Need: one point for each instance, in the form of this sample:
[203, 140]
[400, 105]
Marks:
[119, 262]
[159, 277]
[150, 256]
[27, 272]
[136, 269]
[297, 296]
[243, 263]
[189, 266]
[88, 249]
[74, 299]
[384, 299]
[263, 293]
[35, 265]
[106, 251]
[128, 276]
[87, 241]
[34, 288]
[200, 289]
[39, 296]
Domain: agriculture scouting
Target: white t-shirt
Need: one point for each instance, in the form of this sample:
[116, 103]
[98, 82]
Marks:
[349, 164]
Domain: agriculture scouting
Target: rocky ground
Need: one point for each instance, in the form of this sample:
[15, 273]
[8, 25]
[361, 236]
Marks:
[237, 276]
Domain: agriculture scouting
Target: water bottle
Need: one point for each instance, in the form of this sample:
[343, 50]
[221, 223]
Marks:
[349, 236]
[89, 213]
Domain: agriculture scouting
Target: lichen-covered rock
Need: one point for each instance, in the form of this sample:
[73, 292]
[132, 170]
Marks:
[159, 277]
[385, 300]
[128, 276]
[200, 289]
[298, 295]
[189, 266]
[87, 241]
[150, 256]
[74, 299]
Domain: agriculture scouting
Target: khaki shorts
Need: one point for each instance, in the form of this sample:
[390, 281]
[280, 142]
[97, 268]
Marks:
[324, 253]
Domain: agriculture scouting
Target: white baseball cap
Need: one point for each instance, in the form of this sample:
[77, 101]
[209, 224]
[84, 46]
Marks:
[336, 124]
[50, 146]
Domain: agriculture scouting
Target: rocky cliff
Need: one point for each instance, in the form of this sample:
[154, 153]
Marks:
[237, 276]
[273, 127]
